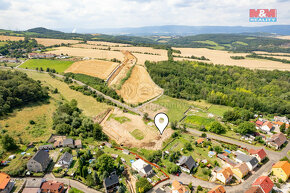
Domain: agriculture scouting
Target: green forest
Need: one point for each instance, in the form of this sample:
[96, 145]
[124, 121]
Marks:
[255, 90]
[17, 89]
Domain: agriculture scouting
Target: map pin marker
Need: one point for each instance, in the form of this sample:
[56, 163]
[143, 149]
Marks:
[161, 121]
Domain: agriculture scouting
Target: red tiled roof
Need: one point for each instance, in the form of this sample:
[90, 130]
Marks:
[254, 189]
[265, 183]
[218, 189]
[51, 185]
[261, 152]
[259, 123]
[4, 180]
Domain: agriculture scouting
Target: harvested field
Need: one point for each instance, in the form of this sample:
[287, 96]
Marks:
[147, 136]
[121, 72]
[101, 43]
[141, 58]
[90, 53]
[43, 41]
[223, 57]
[95, 68]
[139, 87]
[284, 37]
[89, 46]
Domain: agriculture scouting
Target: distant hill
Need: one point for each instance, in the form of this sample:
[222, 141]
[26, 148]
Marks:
[42, 30]
[190, 30]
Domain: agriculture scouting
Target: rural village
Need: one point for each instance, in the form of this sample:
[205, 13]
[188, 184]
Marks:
[95, 130]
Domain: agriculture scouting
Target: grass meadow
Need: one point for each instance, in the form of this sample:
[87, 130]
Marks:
[59, 65]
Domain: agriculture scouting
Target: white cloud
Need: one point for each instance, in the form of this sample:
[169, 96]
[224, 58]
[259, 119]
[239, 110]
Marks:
[91, 14]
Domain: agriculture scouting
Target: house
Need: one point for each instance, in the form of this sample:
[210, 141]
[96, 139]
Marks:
[187, 163]
[58, 143]
[33, 185]
[218, 189]
[281, 170]
[39, 162]
[241, 170]
[254, 189]
[10, 60]
[177, 187]
[281, 119]
[78, 144]
[142, 168]
[227, 160]
[267, 126]
[111, 183]
[265, 183]
[159, 190]
[277, 140]
[6, 185]
[69, 142]
[225, 175]
[251, 161]
[259, 124]
[46, 147]
[65, 160]
[200, 141]
[41, 55]
[260, 154]
[52, 187]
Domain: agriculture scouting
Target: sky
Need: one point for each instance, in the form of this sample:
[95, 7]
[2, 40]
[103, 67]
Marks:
[93, 14]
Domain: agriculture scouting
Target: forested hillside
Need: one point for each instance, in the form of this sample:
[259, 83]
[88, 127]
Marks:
[256, 90]
[233, 42]
[16, 89]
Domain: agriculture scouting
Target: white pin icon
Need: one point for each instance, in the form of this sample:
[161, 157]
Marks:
[161, 121]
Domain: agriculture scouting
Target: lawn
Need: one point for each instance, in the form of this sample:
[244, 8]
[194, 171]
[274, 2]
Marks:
[74, 190]
[120, 153]
[219, 109]
[59, 65]
[193, 120]
[119, 119]
[137, 134]
[175, 107]
[88, 104]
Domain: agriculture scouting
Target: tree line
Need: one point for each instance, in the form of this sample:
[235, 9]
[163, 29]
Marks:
[17, 89]
[255, 90]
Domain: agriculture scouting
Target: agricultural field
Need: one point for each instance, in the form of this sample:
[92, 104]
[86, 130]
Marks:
[284, 37]
[223, 57]
[96, 68]
[111, 44]
[88, 104]
[134, 133]
[89, 53]
[139, 87]
[43, 41]
[59, 65]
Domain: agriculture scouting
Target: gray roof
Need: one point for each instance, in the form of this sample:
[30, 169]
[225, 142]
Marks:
[245, 158]
[159, 191]
[41, 157]
[46, 146]
[147, 168]
[66, 157]
[68, 141]
[188, 161]
[34, 183]
[111, 180]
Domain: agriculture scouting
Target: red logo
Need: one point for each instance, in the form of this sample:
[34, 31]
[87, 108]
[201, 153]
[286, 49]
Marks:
[263, 13]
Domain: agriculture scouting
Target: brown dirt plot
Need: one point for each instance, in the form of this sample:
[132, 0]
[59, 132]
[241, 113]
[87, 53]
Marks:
[120, 132]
